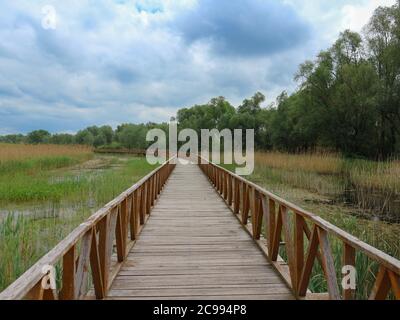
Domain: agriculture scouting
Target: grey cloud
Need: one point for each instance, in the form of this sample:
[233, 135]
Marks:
[104, 66]
[244, 27]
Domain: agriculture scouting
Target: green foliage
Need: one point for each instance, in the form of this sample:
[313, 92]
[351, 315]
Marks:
[38, 136]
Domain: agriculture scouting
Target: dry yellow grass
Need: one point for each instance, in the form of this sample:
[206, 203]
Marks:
[320, 163]
[381, 175]
[17, 152]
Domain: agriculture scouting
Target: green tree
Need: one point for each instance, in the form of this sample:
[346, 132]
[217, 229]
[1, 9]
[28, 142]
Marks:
[38, 136]
[85, 137]
[383, 38]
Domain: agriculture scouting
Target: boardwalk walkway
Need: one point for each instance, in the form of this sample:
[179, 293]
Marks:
[193, 247]
[171, 236]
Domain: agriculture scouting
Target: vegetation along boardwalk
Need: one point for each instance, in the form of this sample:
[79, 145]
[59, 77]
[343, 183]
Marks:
[201, 232]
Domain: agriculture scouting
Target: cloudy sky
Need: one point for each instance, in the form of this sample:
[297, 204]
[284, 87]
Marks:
[112, 61]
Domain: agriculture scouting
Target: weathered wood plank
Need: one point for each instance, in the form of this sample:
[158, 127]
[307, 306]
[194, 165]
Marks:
[193, 246]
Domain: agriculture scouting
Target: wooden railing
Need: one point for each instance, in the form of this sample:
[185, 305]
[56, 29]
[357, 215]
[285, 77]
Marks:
[306, 238]
[96, 248]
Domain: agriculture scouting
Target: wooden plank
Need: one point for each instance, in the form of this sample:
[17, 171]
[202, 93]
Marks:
[83, 266]
[36, 293]
[276, 238]
[95, 264]
[189, 292]
[395, 281]
[382, 285]
[103, 250]
[328, 265]
[309, 263]
[119, 236]
[289, 244]
[133, 221]
[298, 247]
[200, 248]
[237, 197]
[68, 275]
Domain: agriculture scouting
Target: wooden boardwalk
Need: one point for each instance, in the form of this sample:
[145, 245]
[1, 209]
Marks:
[200, 232]
[193, 247]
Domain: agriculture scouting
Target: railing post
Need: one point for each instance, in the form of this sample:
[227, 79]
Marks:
[230, 190]
[328, 265]
[119, 235]
[271, 225]
[97, 276]
[68, 278]
[237, 196]
[299, 248]
[134, 215]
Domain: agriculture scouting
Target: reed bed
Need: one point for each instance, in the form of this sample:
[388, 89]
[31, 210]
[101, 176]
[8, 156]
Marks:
[322, 183]
[24, 239]
[18, 152]
[371, 186]
[322, 163]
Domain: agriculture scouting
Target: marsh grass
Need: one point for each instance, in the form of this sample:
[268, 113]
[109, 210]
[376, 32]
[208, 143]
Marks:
[322, 163]
[22, 152]
[318, 184]
[26, 171]
[24, 239]
[372, 186]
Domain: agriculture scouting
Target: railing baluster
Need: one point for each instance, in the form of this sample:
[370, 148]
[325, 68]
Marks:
[252, 205]
[328, 265]
[382, 285]
[298, 247]
[277, 237]
[95, 264]
[119, 236]
[148, 197]
[36, 293]
[134, 215]
[68, 275]
[82, 269]
[311, 254]
[143, 204]
[103, 249]
[395, 281]
[259, 212]
[267, 219]
[230, 190]
[288, 244]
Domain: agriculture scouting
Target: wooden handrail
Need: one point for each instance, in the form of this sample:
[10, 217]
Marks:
[254, 206]
[91, 245]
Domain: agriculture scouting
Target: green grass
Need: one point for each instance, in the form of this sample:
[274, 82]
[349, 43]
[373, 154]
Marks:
[31, 179]
[24, 239]
[31, 166]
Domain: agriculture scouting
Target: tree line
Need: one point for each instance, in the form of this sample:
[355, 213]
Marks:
[347, 100]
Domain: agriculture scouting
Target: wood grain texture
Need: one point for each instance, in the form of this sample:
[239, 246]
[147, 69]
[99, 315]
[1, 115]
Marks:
[193, 247]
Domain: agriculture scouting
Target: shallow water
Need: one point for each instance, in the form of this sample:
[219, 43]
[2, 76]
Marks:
[88, 170]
